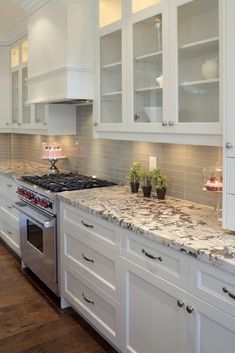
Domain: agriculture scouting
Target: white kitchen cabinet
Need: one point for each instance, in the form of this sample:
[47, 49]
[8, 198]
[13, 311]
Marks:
[143, 296]
[4, 89]
[90, 269]
[209, 329]
[160, 85]
[154, 320]
[9, 217]
[196, 65]
[229, 121]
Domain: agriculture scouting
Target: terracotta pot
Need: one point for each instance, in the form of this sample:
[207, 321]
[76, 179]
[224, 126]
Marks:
[134, 187]
[147, 190]
[161, 193]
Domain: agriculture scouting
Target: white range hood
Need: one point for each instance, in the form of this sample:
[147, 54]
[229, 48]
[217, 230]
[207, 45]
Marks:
[62, 51]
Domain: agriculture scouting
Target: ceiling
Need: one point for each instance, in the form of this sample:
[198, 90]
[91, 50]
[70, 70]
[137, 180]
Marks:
[11, 13]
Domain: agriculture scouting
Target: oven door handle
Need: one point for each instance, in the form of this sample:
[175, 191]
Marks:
[44, 223]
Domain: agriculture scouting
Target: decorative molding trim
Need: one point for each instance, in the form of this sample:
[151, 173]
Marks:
[62, 70]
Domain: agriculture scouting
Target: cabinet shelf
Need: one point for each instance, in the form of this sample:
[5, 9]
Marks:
[109, 94]
[200, 82]
[151, 57]
[146, 89]
[199, 48]
[112, 65]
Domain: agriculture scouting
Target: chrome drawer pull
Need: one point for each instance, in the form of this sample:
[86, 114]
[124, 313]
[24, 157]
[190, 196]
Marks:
[10, 207]
[189, 309]
[159, 258]
[9, 232]
[231, 295]
[180, 303]
[87, 300]
[87, 259]
[9, 185]
[87, 225]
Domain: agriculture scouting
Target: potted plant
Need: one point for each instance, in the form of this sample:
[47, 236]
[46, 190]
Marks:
[133, 176]
[160, 181]
[147, 183]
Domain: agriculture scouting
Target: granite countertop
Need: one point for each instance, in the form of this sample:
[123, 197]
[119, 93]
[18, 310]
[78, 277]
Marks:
[181, 225]
[16, 168]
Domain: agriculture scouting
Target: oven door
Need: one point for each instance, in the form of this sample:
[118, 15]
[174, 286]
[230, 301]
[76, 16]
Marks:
[38, 244]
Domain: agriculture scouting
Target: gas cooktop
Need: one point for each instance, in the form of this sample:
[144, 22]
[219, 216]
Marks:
[66, 182]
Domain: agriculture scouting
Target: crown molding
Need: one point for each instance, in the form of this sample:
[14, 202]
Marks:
[31, 5]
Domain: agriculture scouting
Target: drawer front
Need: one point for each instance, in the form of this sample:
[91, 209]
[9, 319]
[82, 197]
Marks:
[101, 310]
[96, 263]
[166, 263]
[6, 207]
[215, 286]
[103, 232]
[10, 233]
[8, 187]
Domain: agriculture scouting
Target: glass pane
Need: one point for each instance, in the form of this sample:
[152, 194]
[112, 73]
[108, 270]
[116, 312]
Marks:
[39, 113]
[15, 56]
[148, 74]
[109, 11]
[15, 96]
[24, 53]
[26, 109]
[35, 236]
[138, 5]
[111, 78]
[198, 58]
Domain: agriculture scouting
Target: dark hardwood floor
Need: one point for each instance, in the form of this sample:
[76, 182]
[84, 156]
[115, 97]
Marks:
[29, 323]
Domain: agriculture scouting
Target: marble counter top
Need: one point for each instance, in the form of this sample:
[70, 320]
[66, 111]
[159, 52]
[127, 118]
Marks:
[16, 168]
[178, 224]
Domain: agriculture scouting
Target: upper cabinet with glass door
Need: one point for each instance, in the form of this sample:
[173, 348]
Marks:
[15, 89]
[149, 49]
[198, 56]
[26, 109]
[110, 65]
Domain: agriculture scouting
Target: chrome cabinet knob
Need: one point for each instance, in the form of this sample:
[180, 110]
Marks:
[228, 145]
[164, 123]
[171, 123]
[189, 309]
[19, 124]
[95, 123]
[180, 303]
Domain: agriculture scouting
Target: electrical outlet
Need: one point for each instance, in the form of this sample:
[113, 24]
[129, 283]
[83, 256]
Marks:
[152, 162]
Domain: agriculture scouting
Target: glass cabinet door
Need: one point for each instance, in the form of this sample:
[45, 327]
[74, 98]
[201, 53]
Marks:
[111, 78]
[198, 62]
[148, 69]
[110, 11]
[15, 96]
[39, 114]
[26, 109]
[138, 5]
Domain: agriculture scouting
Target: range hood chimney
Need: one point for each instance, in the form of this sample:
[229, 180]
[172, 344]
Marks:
[62, 52]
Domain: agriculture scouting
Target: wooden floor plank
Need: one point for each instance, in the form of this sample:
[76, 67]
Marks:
[30, 324]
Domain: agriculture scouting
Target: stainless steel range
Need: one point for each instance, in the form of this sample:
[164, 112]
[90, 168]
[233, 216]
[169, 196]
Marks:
[38, 220]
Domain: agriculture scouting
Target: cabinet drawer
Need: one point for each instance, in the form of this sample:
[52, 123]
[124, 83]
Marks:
[215, 286]
[101, 310]
[10, 233]
[94, 262]
[166, 263]
[6, 207]
[103, 232]
[8, 187]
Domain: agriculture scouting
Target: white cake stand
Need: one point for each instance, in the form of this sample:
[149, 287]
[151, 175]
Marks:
[53, 168]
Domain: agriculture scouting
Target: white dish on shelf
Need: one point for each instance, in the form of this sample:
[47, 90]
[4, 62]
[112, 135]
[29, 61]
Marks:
[154, 114]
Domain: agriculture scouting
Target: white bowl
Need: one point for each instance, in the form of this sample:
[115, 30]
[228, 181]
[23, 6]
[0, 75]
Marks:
[154, 114]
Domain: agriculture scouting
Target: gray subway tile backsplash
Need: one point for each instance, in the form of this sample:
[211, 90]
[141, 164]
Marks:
[111, 159]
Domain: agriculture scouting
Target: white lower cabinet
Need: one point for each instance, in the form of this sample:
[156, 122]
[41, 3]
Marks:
[154, 320]
[151, 301]
[9, 217]
[210, 329]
